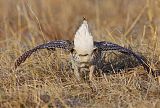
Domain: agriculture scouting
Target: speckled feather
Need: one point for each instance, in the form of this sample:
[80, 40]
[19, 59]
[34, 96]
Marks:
[106, 46]
[63, 44]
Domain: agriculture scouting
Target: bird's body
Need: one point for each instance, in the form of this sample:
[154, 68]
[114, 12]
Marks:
[85, 53]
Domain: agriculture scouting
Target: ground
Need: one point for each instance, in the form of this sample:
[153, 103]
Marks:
[45, 80]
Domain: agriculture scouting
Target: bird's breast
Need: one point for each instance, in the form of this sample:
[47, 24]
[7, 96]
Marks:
[81, 60]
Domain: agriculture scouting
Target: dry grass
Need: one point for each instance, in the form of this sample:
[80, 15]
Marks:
[45, 80]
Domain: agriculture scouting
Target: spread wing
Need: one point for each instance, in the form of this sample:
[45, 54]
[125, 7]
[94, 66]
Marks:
[105, 46]
[63, 44]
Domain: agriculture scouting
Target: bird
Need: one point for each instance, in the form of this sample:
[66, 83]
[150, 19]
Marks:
[85, 53]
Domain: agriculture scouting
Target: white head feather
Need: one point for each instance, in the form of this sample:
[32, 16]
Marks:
[83, 41]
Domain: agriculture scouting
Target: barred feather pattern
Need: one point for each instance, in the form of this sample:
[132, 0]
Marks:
[63, 44]
[106, 46]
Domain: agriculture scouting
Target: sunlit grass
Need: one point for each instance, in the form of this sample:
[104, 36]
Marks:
[46, 78]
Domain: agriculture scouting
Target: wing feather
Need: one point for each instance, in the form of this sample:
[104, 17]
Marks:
[105, 46]
[63, 44]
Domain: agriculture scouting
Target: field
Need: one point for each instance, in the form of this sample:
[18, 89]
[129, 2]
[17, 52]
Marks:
[45, 80]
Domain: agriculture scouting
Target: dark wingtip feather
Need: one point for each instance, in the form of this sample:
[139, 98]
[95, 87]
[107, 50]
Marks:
[110, 46]
[64, 44]
[23, 57]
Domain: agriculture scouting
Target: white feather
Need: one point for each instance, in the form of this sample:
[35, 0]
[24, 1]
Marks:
[83, 41]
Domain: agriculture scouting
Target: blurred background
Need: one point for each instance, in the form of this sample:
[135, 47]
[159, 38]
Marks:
[125, 22]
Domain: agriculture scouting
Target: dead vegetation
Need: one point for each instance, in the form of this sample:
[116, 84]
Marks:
[46, 80]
